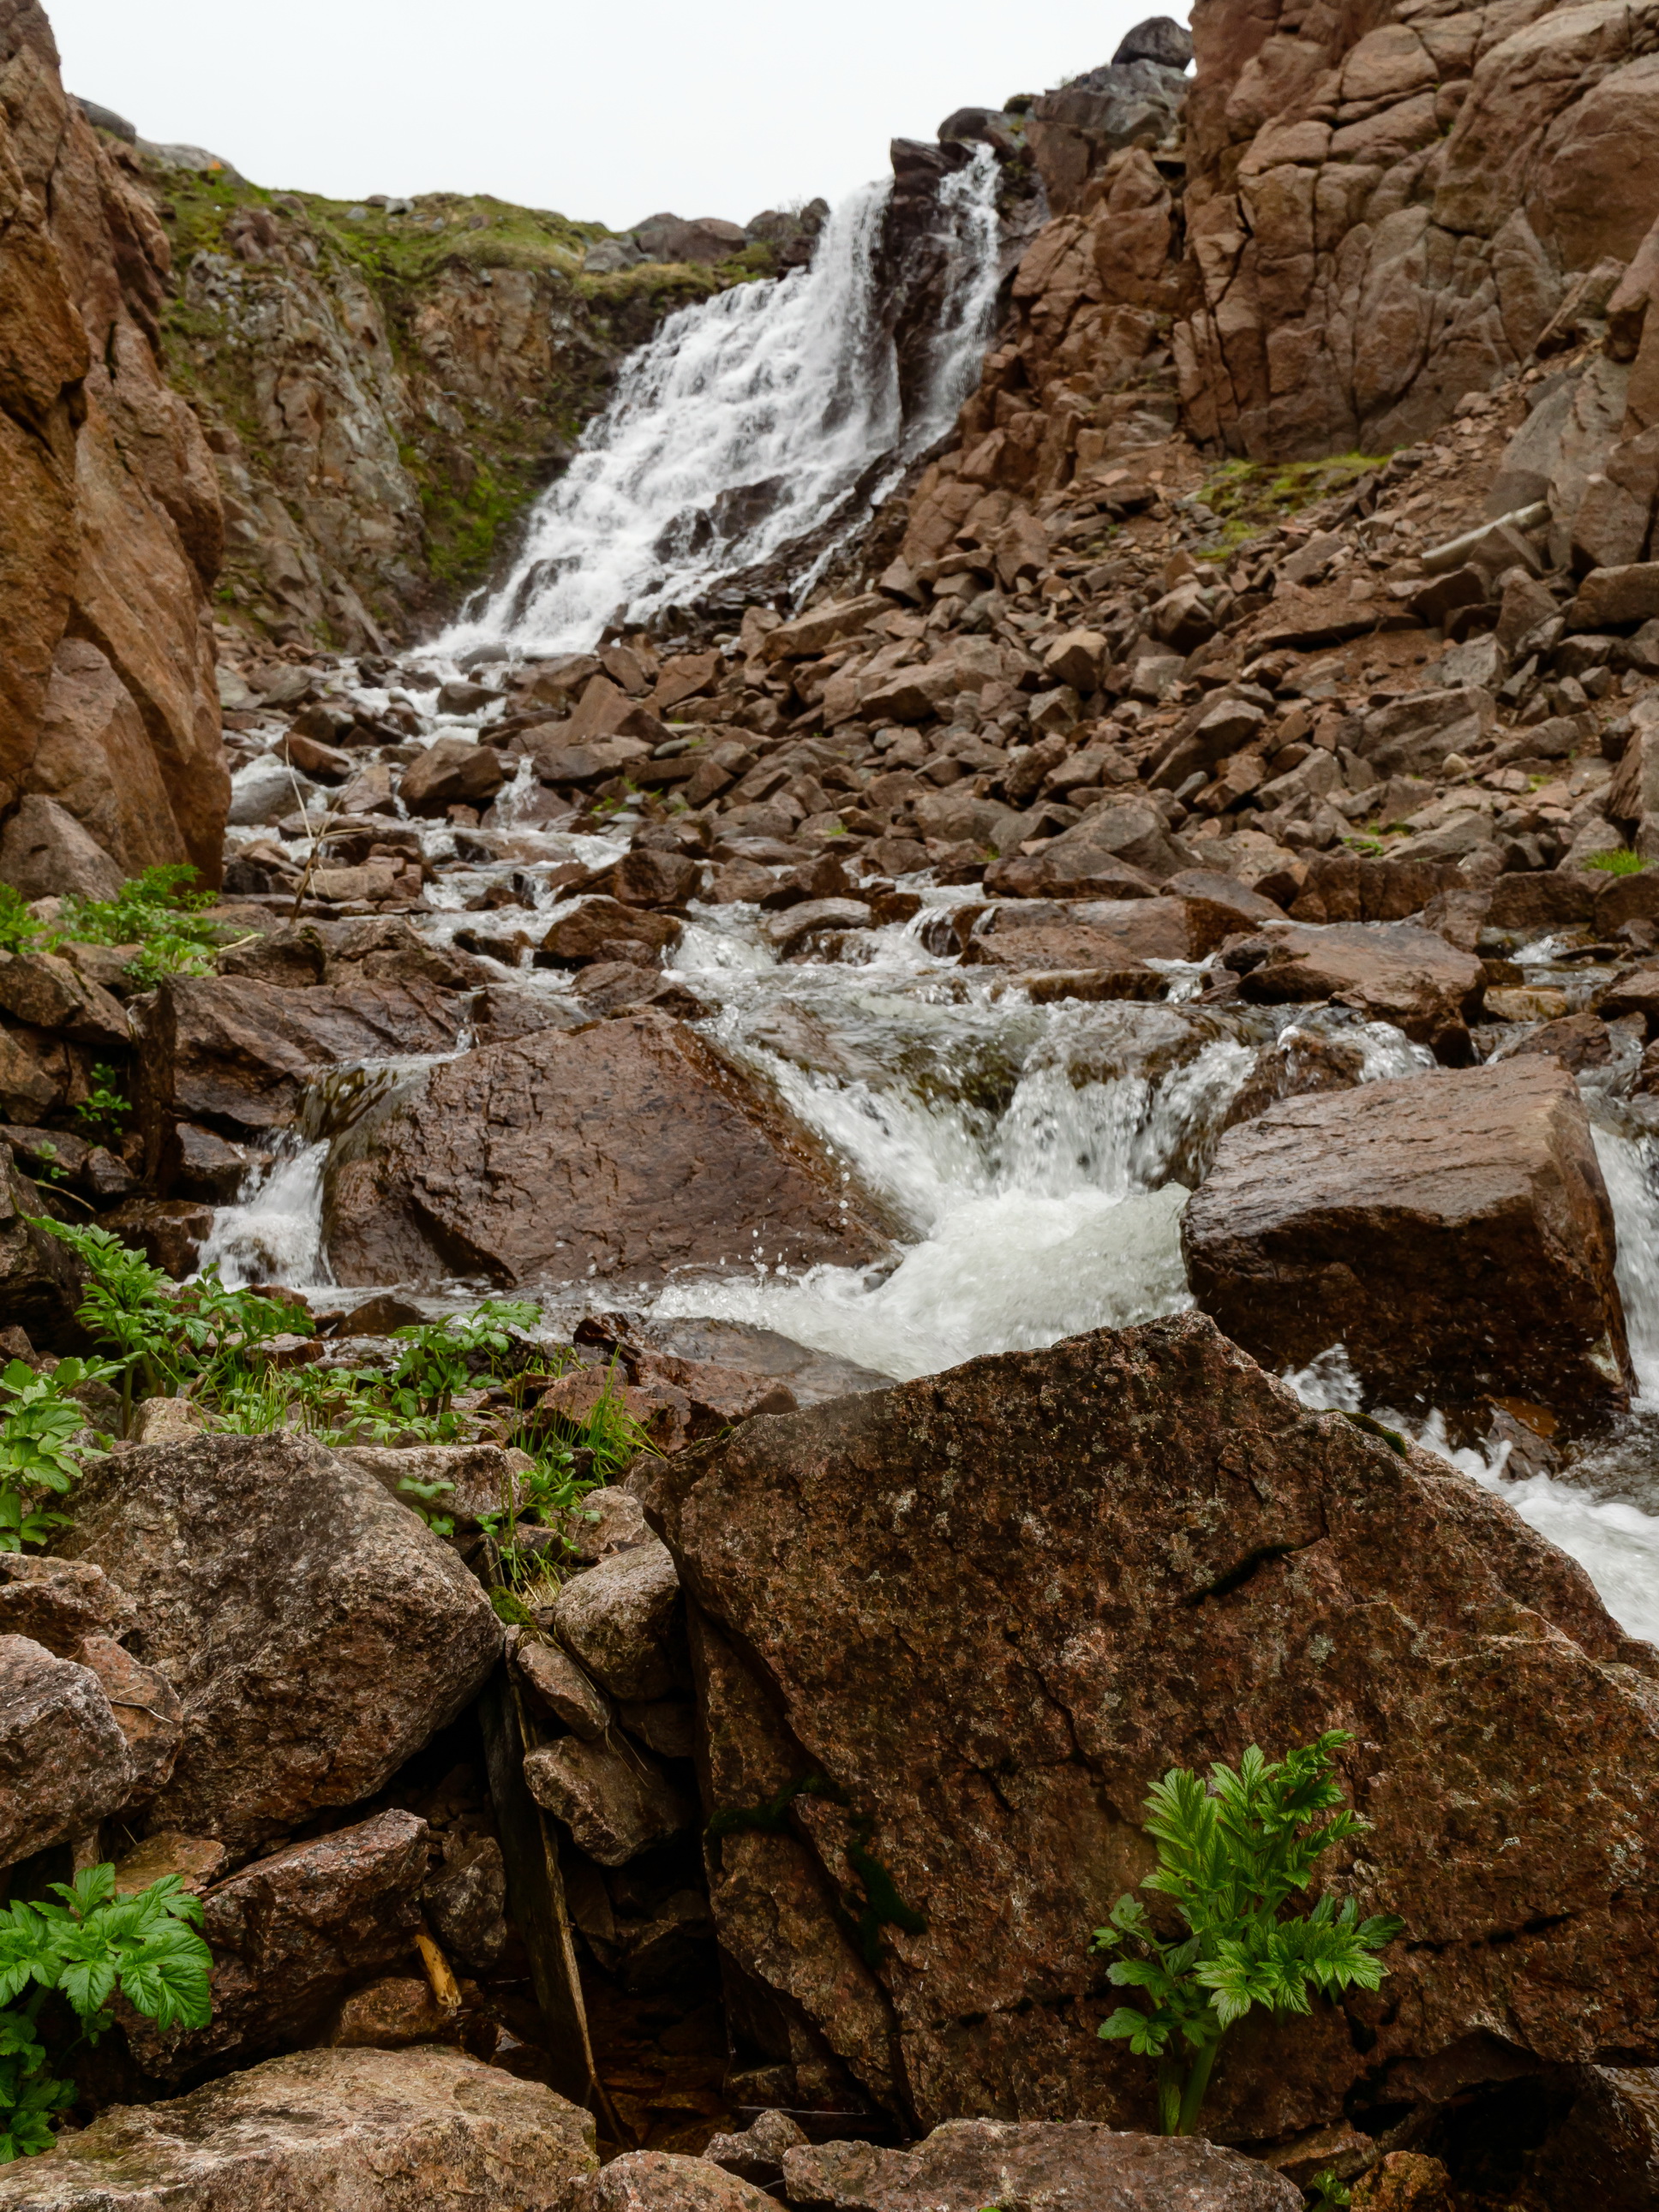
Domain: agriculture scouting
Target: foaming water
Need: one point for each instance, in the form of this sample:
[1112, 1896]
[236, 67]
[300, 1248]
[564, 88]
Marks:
[1628, 1169]
[1614, 1540]
[274, 1231]
[747, 420]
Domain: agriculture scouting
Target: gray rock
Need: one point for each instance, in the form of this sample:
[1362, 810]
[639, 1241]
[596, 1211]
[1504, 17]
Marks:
[63, 1760]
[46, 854]
[479, 1475]
[332, 2131]
[617, 1803]
[1159, 39]
[106, 118]
[756, 2156]
[1074, 2165]
[291, 1934]
[621, 1619]
[316, 1631]
[608, 255]
[606, 1521]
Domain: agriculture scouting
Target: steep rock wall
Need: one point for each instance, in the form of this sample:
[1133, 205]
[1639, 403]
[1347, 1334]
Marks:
[110, 521]
[1385, 202]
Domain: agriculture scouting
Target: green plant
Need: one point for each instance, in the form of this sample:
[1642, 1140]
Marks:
[1328, 2190]
[86, 1948]
[19, 930]
[1230, 1855]
[1615, 863]
[437, 1360]
[157, 911]
[38, 1422]
[104, 1106]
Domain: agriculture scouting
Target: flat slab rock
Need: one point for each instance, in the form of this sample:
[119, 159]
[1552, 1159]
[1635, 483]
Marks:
[992, 1606]
[333, 2130]
[1043, 2166]
[1390, 971]
[1452, 1232]
[625, 1148]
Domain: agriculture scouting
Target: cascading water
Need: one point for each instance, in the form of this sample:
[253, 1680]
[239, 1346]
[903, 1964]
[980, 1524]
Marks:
[744, 422]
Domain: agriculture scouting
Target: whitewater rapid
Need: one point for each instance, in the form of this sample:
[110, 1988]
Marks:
[746, 421]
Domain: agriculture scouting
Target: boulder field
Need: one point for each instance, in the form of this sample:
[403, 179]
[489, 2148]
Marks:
[758, 1269]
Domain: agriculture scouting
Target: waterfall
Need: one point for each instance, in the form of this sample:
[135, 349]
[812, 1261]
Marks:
[740, 426]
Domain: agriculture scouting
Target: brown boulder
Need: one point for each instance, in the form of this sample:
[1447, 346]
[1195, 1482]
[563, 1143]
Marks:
[63, 1760]
[1082, 860]
[334, 2130]
[616, 1802]
[621, 1619]
[1161, 1557]
[452, 772]
[1452, 1232]
[230, 1050]
[317, 1632]
[290, 1933]
[44, 853]
[1064, 2165]
[627, 1147]
[605, 929]
[40, 1279]
[1389, 971]
[665, 2181]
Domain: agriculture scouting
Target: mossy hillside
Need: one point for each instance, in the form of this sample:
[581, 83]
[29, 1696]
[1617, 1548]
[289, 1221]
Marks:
[1249, 497]
[475, 463]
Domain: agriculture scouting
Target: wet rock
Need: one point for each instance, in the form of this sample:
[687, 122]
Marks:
[666, 2181]
[1453, 1232]
[316, 1631]
[623, 1621]
[336, 2130]
[44, 990]
[44, 853]
[615, 1800]
[170, 1232]
[290, 1933]
[1252, 1572]
[624, 1148]
[1389, 971]
[238, 1053]
[63, 1760]
[785, 932]
[452, 772]
[622, 987]
[466, 1904]
[1064, 2166]
[605, 929]
[1604, 2156]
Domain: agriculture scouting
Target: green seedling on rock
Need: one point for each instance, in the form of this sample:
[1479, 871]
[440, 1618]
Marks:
[19, 930]
[1615, 863]
[438, 1360]
[104, 1107]
[85, 1949]
[1229, 1854]
[38, 1425]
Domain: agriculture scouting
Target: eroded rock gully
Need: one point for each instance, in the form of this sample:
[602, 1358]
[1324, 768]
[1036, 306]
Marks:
[890, 1029]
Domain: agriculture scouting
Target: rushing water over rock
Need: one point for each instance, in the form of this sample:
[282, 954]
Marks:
[740, 426]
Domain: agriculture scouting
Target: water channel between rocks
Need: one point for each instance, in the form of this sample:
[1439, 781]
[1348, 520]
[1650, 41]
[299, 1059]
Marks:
[1034, 1159]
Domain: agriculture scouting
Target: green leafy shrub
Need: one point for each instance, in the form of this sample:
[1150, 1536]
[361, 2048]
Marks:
[1230, 1855]
[104, 1107]
[86, 1948]
[157, 911]
[19, 930]
[39, 1423]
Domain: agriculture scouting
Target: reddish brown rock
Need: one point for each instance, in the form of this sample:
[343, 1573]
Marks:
[108, 703]
[664, 2181]
[606, 929]
[334, 2130]
[316, 1631]
[290, 1933]
[991, 1607]
[627, 1147]
[1453, 1232]
[63, 1760]
[40, 1279]
[452, 772]
[1389, 971]
[239, 1054]
[1083, 861]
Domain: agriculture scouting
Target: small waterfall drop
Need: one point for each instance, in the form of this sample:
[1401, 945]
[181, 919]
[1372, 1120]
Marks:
[742, 425]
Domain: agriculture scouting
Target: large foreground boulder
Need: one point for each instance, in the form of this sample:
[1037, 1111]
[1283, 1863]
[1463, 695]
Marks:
[333, 2130]
[628, 1147]
[1452, 1232]
[315, 1629]
[980, 1613]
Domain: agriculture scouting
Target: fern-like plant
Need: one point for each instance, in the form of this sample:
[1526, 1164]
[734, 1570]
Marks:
[86, 1948]
[38, 1455]
[1231, 1854]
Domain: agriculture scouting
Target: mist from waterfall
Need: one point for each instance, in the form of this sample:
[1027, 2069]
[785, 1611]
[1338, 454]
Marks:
[743, 423]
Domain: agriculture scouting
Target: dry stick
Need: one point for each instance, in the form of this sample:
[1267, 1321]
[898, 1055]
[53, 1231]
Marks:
[319, 839]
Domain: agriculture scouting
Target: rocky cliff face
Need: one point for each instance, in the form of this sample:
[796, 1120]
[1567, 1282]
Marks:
[112, 526]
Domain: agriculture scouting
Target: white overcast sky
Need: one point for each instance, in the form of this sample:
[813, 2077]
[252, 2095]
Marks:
[605, 112]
